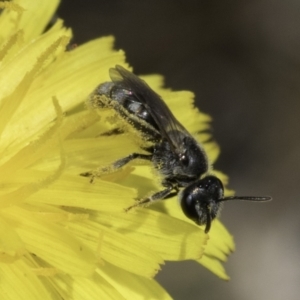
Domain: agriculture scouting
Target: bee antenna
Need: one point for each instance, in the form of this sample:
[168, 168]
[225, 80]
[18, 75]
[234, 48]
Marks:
[246, 198]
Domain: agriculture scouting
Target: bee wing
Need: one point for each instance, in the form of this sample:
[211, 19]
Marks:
[153, 103]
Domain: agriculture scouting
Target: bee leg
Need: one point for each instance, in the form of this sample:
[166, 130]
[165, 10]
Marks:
[114, 131]
[116, 165]
[164, 194]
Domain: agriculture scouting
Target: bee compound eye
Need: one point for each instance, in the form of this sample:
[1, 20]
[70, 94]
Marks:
[191, 206]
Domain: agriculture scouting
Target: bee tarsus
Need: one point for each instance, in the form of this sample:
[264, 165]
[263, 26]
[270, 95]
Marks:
[116, 165]
[161, 195]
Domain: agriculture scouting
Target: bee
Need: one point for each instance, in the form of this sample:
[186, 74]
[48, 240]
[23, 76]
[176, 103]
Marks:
[175, 154]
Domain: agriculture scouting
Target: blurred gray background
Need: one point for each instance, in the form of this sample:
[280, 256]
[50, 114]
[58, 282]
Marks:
[242, 59]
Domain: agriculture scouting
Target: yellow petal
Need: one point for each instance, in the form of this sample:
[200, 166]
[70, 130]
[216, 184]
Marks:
[132, 286]
[74, 76]
[20, 282]
[214, 265]
[20, 14]
[220, 242]
[51, 242]
[13, 71]
[81, 288]
[11, 246]
[102, 195]
[117, 249]
[171, 238]
[219, 246]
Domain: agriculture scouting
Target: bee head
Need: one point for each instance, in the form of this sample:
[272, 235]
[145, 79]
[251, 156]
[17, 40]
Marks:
[201, 201]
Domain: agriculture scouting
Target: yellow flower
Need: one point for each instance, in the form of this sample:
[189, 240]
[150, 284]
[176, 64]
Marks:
[60, 236]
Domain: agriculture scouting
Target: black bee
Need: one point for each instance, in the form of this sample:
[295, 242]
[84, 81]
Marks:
[178, 157]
